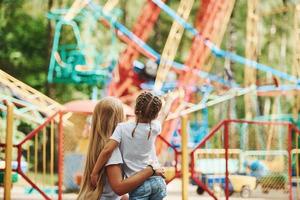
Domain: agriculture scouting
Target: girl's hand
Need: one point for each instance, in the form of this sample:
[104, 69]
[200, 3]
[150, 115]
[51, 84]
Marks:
[94, 179]
[171, 96]
[160, 172]
[179, 93]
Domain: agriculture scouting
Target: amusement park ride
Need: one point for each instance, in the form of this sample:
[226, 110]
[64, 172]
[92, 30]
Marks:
[124, 76]
[211, 21]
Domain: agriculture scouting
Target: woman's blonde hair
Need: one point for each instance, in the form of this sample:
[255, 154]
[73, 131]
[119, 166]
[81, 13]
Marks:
[107, 114]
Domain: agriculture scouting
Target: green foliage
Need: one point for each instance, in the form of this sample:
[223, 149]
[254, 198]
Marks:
[23, 50]
[25, 42]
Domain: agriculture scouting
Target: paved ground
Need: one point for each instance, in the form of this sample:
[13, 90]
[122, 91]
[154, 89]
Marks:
[174, 193]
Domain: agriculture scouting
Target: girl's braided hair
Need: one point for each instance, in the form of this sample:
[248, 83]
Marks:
[147, 108]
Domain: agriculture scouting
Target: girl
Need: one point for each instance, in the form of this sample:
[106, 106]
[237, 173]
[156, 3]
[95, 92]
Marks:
[136, 141]
[107, 114]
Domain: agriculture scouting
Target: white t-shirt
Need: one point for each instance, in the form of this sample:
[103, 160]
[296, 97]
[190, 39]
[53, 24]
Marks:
[108, 193]
[137, 151]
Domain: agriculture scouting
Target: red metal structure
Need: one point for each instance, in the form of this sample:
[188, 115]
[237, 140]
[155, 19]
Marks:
[142, 29]
[211, 14]
[292, 132]
[210, 17]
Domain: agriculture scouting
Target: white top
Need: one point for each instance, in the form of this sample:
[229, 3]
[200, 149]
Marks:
[108, 193]
[137, 151]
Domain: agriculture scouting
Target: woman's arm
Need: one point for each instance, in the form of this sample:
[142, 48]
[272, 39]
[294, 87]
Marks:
[102, 159]
[122, 186]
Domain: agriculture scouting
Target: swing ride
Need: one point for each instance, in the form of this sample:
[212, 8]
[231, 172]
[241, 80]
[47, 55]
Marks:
[80, 62]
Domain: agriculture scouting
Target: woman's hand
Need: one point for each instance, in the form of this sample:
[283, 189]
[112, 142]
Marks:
[124, 197]
[160, 172]
[94, 179]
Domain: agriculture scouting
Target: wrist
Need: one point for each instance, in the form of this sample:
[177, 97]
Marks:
[153, 170]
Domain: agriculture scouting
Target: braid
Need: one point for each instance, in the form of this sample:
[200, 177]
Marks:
[149, 131]
[149, 104]
[155, 107]
[132, 134]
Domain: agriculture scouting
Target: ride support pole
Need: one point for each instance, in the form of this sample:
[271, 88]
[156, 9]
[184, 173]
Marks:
[226, 144]
[8, 151]
[184, 158]
[60, 155]
[290, 129]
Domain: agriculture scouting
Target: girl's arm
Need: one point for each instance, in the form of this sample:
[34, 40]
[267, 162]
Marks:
[169, 99]
[102, 159]
[122, 186]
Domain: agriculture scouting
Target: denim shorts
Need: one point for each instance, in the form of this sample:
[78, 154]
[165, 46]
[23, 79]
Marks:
[153, 188]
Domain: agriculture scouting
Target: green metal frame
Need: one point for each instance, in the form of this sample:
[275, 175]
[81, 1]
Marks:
[71, 55]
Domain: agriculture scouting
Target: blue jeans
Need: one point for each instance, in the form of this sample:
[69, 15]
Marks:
[153, 188]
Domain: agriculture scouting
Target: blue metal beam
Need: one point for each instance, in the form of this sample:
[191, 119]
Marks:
[120, 27]
[222, 53]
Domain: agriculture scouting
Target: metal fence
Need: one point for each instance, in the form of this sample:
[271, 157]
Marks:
[36, 160]
[237, 158]
[248, 159]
